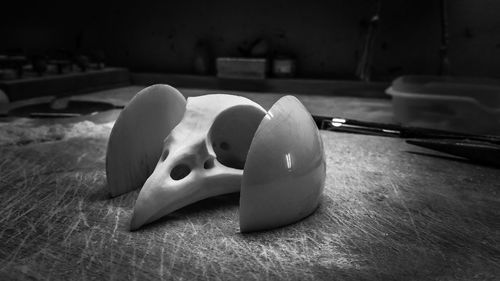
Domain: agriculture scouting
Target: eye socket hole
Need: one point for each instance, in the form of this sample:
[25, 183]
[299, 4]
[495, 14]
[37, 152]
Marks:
[232, 133]
[224, 145]
[209, 164]
[164, 155]
[180, 171]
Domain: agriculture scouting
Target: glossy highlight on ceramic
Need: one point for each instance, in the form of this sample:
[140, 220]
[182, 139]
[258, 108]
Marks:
[288, 187]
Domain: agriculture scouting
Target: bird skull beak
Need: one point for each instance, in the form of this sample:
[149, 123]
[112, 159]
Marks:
[202, 157]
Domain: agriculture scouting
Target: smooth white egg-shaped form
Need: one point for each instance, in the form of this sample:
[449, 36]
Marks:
[285, 169]
[136, 140]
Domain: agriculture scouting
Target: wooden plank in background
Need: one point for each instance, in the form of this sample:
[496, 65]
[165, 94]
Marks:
[242, 68]
[65, 84]
[276, 85]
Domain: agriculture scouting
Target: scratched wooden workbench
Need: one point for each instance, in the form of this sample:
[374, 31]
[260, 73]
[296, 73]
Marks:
[390, 211]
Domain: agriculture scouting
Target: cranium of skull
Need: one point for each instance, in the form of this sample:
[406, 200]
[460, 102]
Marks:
[221, 142]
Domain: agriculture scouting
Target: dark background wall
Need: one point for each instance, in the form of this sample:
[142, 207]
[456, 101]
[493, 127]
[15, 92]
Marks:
[325, 36]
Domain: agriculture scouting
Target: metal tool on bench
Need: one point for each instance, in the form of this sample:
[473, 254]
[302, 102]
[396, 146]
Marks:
[484, 149]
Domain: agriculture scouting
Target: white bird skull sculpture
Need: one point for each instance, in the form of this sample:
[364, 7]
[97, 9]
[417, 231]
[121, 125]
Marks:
[203, 156]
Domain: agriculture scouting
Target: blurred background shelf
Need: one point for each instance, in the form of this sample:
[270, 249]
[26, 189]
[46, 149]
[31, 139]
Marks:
[65, 84]
[291, 85]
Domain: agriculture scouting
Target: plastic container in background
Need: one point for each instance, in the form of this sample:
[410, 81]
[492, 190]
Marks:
[469, 105]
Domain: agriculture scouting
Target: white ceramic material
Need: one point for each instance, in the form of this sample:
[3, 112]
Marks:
[213, 145]
[136, 140]
[285, 169]
[202, 157]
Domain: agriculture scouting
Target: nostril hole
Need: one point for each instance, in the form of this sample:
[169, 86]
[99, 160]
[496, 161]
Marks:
[164, 155]
[209, 164]
[224, 145]
[180, 171]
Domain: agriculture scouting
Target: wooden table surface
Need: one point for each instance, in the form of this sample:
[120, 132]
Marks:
[390, 211]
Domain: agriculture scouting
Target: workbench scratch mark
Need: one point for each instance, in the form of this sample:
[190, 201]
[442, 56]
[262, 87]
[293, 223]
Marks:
[51, 270]
[412, 221]
[114, 268]
[146, 252]
[134, 255]
[6, 216]
[81, 157]
[193, 227]
[174, 254]
[82, 218]
[117, 221]
[108, 211]
[13, 256]
[92, 251]
[161, 255]
[81, 214]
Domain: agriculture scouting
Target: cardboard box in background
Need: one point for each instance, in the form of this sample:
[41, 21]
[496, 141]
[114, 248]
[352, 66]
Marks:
[242, 68]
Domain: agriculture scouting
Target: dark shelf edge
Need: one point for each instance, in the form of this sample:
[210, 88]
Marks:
[276, 85]
[66, 84]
